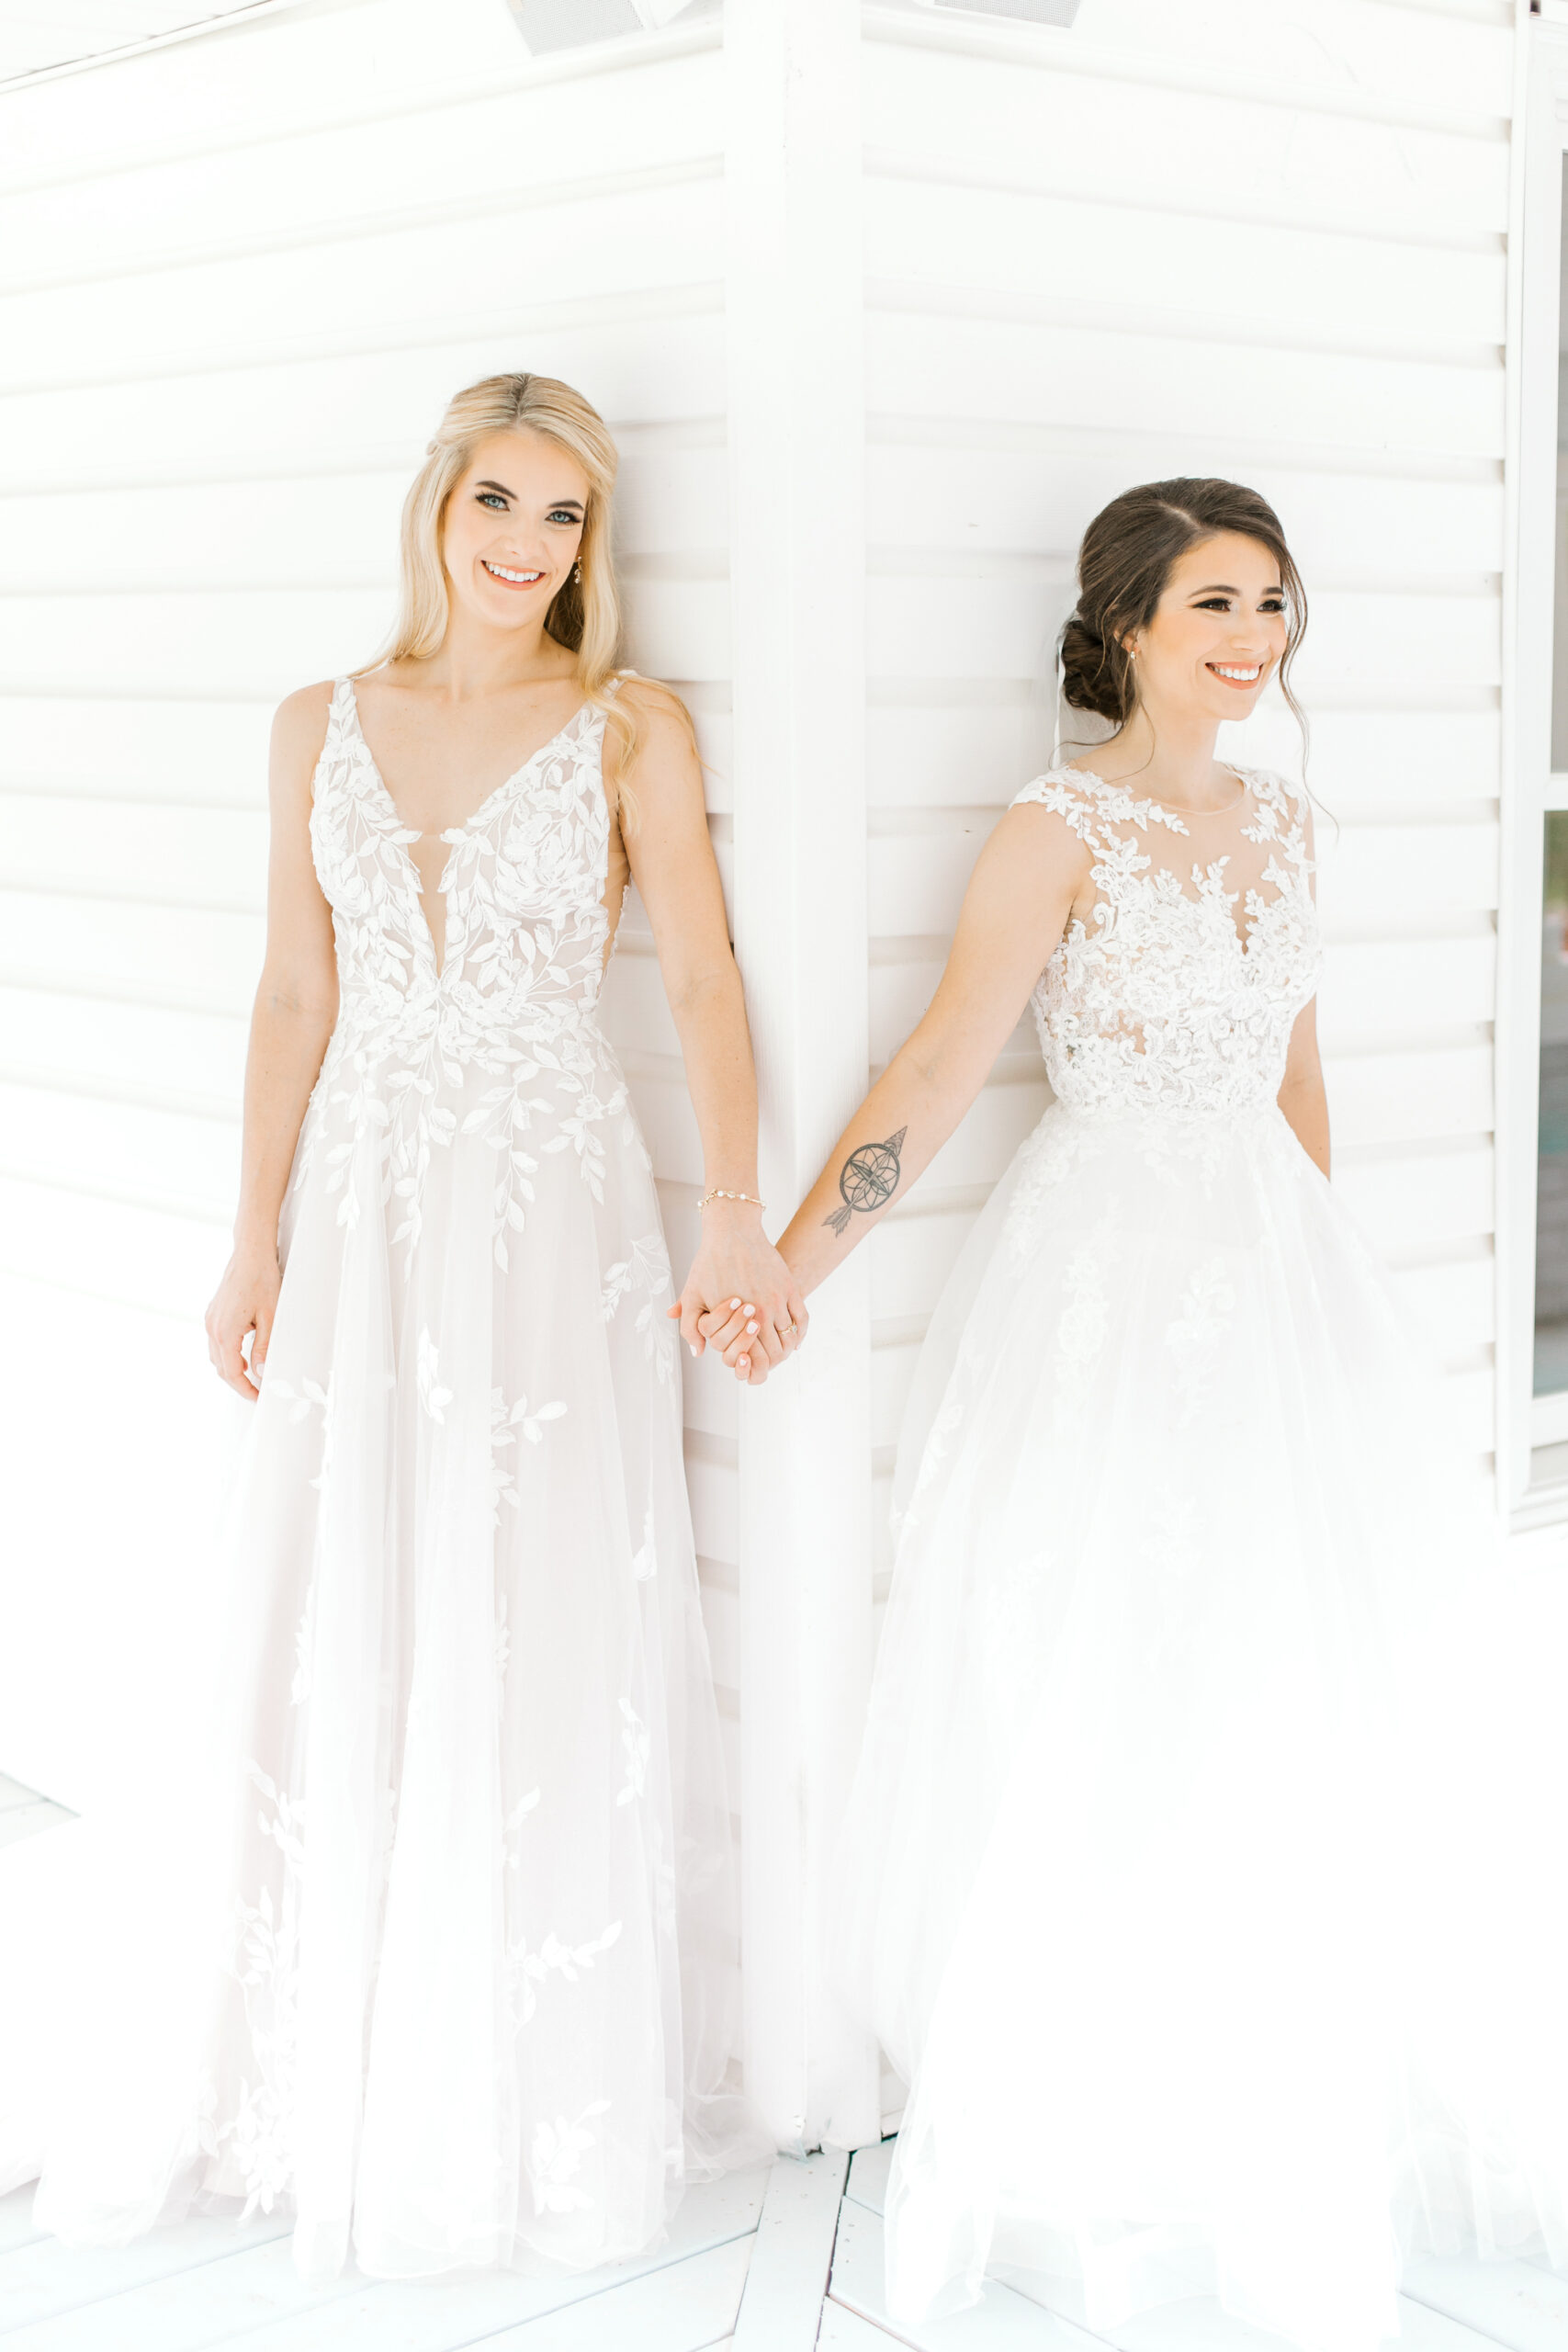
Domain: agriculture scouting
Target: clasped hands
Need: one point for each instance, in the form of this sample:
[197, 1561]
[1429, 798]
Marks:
[742, 1298]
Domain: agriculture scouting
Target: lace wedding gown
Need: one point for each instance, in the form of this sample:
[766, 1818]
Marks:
[1189, 1879]
[447, 1972]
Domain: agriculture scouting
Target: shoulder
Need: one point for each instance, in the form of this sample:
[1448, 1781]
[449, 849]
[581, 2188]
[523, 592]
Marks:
[1048, 828]
[299, 722]
[1268, 784]
[654, 733]
[1078, 800]
[1289, 800]
[649, 702]
[1060, 787]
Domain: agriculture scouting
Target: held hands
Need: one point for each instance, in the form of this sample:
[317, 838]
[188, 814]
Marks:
[740, 1297]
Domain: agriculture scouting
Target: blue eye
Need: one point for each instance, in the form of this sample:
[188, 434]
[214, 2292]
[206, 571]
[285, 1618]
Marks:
[562, 514]
[491, 498]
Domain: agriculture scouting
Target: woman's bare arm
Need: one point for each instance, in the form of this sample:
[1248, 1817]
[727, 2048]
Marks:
[669, 851]
[296, 1005]
[1014, 912]
[1301, 1096]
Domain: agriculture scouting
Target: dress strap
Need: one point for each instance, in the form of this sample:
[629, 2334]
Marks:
[1282, 808]
[339, 709]
[1078, 797]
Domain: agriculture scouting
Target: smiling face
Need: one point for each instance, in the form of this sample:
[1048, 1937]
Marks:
[1218, 633]
[513, 529]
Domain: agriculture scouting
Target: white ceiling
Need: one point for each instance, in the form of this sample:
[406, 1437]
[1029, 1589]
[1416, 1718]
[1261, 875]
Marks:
[38, 34]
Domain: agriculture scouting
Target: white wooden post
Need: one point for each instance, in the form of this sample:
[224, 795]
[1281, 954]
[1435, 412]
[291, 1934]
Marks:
[797, 436]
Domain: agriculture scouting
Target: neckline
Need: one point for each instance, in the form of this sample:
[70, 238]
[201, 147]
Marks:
[452, 833]
[1148, 801]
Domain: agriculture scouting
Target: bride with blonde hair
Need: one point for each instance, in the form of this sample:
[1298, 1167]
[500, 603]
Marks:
[454, 1983]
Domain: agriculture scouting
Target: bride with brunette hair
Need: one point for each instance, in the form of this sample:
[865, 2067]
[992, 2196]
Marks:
[454, 1979]
[1188, 1877]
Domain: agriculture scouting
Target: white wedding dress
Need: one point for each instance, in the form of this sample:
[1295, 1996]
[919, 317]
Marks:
[445, 1970]
[1191, 1878]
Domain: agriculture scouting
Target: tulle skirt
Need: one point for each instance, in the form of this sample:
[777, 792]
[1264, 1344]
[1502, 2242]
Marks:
[433, 1948]
[1202, 1876]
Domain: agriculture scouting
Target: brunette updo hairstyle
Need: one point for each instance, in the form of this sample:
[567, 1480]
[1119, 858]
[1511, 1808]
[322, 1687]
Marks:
[1128, 553]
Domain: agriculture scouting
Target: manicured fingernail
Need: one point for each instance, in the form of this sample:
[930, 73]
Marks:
[749, 1308]
[744, 1362]
[750, 1327]
[733, 1304]
[693, 1345]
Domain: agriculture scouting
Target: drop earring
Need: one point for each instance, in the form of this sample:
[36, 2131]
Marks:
[577, 571]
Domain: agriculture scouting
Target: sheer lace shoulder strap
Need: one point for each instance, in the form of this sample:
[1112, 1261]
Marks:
[1078, 796]
[340, 717]
[1285, 812]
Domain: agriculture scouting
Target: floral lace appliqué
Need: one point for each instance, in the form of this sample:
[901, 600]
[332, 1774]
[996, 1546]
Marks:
[1157, 1002]
[508, 1005]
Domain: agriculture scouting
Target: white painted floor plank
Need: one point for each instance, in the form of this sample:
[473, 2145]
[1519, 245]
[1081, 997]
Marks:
[210, 2304]
[1004, 2321]
[1426, 2331]
[1198, 2325]
[17, 2225]
[869, 2168]
[38, 2281]
[1511, 2303]
[467, 2307]
[18, 1821]
[686, 2307]
[793, 2254]
[845, 2331]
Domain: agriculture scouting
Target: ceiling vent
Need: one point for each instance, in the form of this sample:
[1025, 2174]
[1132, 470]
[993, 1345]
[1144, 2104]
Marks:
[1027, 11]
[547, 25]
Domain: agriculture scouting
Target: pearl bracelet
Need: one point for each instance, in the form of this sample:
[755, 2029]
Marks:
[719, 1193]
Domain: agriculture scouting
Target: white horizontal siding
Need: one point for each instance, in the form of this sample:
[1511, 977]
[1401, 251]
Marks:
[1094, 254]
[506, 150]
[1342, 73]
[1023, 494]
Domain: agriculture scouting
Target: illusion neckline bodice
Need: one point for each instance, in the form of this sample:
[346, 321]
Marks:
[1167, 809]
[1160, 1001]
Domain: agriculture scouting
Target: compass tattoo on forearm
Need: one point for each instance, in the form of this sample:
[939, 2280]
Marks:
[868, 1179]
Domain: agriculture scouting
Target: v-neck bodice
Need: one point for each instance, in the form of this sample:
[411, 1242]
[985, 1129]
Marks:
[480, 815]
[423, 1043]
[523, 884]
[1160, 1000]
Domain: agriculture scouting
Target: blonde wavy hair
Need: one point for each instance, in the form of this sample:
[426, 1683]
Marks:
[584, 616]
